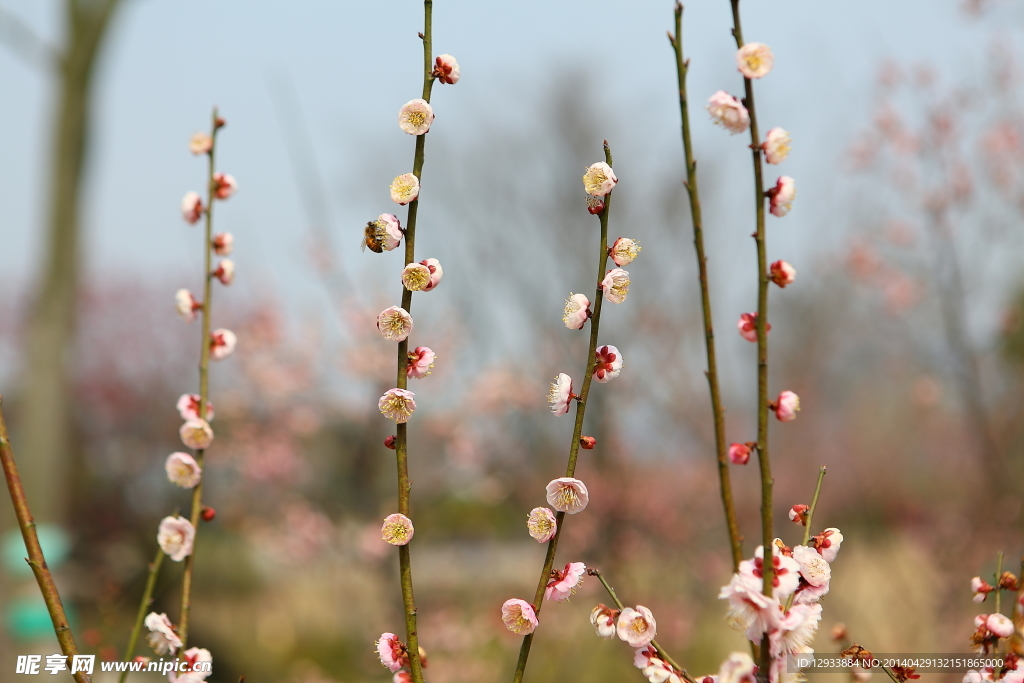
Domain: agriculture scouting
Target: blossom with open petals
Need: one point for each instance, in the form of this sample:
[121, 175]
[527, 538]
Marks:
[615, 285]
[394, 323]
[728, 112]
[738, 667]
[749, 610]
[599, 179]
[196, 673]
[188, 407]
[577, 311]
[421, 360]
[222, 344]
[397, 404]
[383, 234]
[739, 453]
[567, 495]
[782, 274]
[786, 406]
[754, 60]
[603, 619]
[446, 69]
[186, 305]
[191, 207]
[747, 326]
[223, 243]
[196, 433]
[776, 145]
[224, 185]
[415, 117]
[436, 272]
[175, 537]
[780, 197]
[405, 188]
[827, 543]
[225, 271]
[813, 567]
[183, 470]
[624, 251]
[636, 626]
[519, 616]
[162, 637]
[397, 529]
[981, 588]
[393, 653]
[541, 524]
[564, 582]
[1000, 625]
[609, 363]
[560, 394]
[200, 143]
[415, 277]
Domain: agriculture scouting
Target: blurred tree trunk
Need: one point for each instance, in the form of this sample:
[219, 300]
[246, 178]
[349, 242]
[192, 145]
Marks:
[47, 415]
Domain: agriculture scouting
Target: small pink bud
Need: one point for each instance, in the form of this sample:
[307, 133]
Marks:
[222, 344]
[436, 272]
[739, 453]
[588, 442]
[781, 196]
[191, 207]
[225, 271]
[446, 69]
[186, 305]
[219, 123]
[224, 185]
[981, 588]
[608, 364]
[188, 407]
[208, 513]
[782, 274]
[391, 442]
[223, 243]
[776, 146]
[786, 406]
[747, 326]
[798, 514]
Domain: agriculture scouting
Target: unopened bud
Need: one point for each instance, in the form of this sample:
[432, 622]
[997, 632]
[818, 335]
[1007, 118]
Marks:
[219, 122]
[391, 441]
[1008, 581]
[739, 453]
[588, 442]
[798, 514]
[208, 513]
[839, 632]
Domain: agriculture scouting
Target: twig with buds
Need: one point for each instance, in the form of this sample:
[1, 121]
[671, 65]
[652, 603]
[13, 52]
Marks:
[718, 412]
[35, 552]
[144, 604]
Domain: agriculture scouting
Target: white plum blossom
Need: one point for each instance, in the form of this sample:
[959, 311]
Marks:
[175, 537]
[405, 188]
[776, 145]
[738, 667]
[519, 616]
[397, 404]
[446, 69]
[560, 394]
[196, 433]
[813, 567]
[615, 285]
[567, 495]
[162, 637]
[603, 619]
[416, 277]
[191, 207]
[415, 117]
[397, 529]
[827, 543]
[624, 251]
[780, 197]
[636, 627]
[541, 524]
[577, 311]
[186, 305]
[222, 344]
[599, 179]
[754, 60]
[200, 143]
[728, 112]
[609, 363]
[183, 470]
[224, 185]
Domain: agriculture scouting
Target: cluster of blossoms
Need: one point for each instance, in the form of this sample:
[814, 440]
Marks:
[801, 577]
[989, 629]
[163, 638]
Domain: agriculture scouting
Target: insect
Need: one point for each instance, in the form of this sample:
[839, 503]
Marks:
[374, 236]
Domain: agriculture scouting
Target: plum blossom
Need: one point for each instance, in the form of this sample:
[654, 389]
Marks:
[415, 117]
[405, 188]
[660, 671]
[223, 243]
[747, 326]
[609, 363]
[577, 311]
[224, 185]
[225, 271]
[796, 629]
[615, 285]
[196, 433]
[636, 627]
[421, 360]
[560, 394]
[191, 207]
[780, 197]
[397, 404]
[383, 234]
[599, 179]
[728, 112]
[446, 69]
[798, 514]
[980, 588]
[813, 567]
[624, 251]
[436, 272]
[193, 656]
[162, 637]
[186, 305]
[786, 406]
[754, 60]
[519, 616]
[738, 667]
[568, 495]
[776, 146]
[415, 277]
[200, 143]
[564, 582]
[1000, 625]
[541, 524]
[749, 610]
[394, 323]
[603, 619]
[785, 574]
[188, 407]
[397, 529]
[827, 543]
[183, 470]
[782, 274]
[175, 537]
[739, 453]
[393, 653]
[222, 344]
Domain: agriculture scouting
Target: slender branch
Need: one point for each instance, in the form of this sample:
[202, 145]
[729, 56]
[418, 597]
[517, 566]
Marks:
[814, 504]
[144, 604]
[204, 378]
[999, 574]
[577, 432]
[29, 45]
[718, 412]
[35, 552]
[402, 432]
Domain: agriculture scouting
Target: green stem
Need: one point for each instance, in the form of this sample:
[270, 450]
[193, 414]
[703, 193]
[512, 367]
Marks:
[144, 604]
[577, 432]
[204, 382]
[402, 379]
[717, 411]
[814, 504]
[999, 574]
[35, 559]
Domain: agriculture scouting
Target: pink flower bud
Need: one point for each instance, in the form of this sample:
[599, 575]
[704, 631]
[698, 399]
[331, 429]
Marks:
[587, 443]
[421, 360]
[603, 619]
[781, 196]
[397, 404]
[519, 617]
[200, 143]
[397, 529]
[196, 433]
[224, 185]
[186, 305]
[786, 406]
[599, 179]
[798, 514]
[225, 271]
[754, 60]
[776, 146]
[446, 69]
[980, 588]
[191, 207]
[207, 514]
[391, 442]
[827, 543]
[223, 243]
[560, 394]
[415, 117]
[393, 653]
[747, 326]
[728, 112]
[782, 274]
[405, 188]
[188, 407]
[609, 363]
[541, 524]
[624, 251]
[222, 344]
[436, 272]
[739, 453]
[595, 205]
